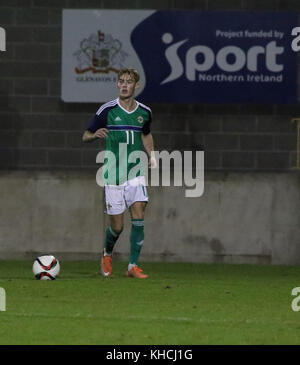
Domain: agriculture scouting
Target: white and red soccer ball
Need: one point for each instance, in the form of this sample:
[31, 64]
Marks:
[46, 267]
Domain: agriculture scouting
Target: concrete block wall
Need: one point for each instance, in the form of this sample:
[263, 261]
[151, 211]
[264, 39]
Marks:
[241, 218]
[39, 131]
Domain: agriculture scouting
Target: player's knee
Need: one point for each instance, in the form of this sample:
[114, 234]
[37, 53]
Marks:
[118, 228]
[138, 210]
[139, 215]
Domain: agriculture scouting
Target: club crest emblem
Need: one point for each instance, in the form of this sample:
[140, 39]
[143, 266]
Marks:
[140, 119]
[100, 53]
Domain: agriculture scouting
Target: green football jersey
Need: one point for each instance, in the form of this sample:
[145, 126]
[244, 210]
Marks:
[124, 142]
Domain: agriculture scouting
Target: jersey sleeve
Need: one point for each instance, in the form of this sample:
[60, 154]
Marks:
[146, 127]
[98, 121]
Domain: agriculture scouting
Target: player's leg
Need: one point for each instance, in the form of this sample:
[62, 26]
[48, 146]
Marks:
[138, 198]
[113, 232]
[115, 207]
[137, 231]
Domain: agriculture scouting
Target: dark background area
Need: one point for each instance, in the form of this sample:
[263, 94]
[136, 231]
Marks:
[39, 131]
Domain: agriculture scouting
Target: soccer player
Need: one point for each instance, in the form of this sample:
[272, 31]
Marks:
[124, 122]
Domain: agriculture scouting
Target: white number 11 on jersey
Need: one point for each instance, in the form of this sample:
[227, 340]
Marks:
[128, 137]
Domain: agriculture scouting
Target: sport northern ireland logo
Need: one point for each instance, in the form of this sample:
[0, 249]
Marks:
[100, 53]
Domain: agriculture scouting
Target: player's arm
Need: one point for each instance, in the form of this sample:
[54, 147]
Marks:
[149, 148]
[89, 136]
[96, 129]
[148, 142]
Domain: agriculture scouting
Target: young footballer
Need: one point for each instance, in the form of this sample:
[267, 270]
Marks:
[124, 122]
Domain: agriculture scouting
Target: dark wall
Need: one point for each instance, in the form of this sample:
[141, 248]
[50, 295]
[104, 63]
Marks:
[38, 130]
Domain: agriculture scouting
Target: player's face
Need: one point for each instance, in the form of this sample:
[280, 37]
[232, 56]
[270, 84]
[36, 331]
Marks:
[126, 85]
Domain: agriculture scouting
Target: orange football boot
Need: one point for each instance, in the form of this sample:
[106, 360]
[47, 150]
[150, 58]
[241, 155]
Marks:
[106, 265]
[136, 272]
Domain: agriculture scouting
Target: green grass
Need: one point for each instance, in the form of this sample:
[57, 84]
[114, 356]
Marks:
[180, 304]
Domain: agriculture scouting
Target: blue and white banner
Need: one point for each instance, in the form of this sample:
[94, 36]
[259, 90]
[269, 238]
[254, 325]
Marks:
[182, 56]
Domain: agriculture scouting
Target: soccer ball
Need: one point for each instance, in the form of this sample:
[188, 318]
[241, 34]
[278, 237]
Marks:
[46, 267]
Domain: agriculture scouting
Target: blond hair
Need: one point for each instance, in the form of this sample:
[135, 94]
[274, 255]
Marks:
[132, 72]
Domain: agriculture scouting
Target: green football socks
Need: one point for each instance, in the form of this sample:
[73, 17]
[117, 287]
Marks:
[136, 240]
[111, 238]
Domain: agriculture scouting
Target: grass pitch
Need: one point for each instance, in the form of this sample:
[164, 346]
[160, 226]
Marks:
[180, 304]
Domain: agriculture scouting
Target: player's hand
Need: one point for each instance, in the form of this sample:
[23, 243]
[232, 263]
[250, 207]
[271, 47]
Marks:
[152, 162]
[101, 133]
